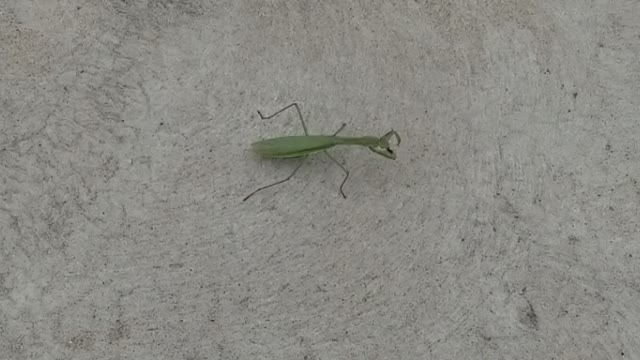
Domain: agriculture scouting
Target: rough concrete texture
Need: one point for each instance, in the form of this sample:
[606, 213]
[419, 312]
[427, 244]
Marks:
[508, 227]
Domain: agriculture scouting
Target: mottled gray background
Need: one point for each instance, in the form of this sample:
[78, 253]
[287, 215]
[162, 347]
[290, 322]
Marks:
[506, 229]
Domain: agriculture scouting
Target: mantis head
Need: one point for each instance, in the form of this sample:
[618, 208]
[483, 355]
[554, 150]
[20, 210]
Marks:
[383, 147]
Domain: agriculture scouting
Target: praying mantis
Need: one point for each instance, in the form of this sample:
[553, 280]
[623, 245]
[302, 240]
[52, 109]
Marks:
[302, 146]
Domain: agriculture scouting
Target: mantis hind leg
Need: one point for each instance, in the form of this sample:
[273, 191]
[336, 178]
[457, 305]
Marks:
[346, 172]
[275, 183]
[304, 126]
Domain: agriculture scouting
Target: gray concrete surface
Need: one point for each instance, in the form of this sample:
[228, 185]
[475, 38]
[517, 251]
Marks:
[506, 229]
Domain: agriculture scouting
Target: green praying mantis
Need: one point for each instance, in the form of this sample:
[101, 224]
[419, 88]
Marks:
[303, 145]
